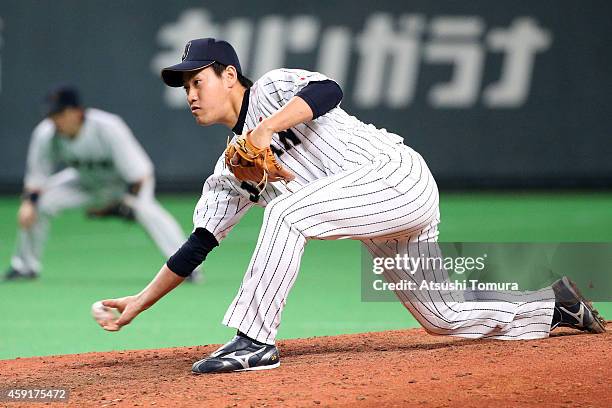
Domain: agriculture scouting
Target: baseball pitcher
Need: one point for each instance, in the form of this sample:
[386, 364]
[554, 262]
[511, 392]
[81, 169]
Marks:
[320, 173]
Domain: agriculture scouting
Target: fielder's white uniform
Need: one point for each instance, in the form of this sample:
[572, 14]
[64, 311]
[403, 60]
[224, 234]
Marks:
[101, 161]
[352, 181]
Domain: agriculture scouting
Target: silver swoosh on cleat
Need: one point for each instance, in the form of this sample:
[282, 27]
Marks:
[243, 359]
[578, 316]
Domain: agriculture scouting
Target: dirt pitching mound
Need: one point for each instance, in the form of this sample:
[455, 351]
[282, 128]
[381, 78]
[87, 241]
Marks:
[394, 368]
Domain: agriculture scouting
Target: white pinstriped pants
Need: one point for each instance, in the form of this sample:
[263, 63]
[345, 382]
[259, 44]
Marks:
[386, 204]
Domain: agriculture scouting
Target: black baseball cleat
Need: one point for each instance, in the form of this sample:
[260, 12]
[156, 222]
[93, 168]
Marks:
[240, 354]
[573, 310]
[14, 275]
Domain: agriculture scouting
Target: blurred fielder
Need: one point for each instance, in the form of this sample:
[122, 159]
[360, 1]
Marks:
[105, 169]
[320, 174]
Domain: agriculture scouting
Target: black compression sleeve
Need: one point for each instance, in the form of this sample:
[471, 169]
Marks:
[321, 96]
[192, 253]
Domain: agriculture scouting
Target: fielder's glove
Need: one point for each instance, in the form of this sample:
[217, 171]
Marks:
[257, 165]
[117, 209]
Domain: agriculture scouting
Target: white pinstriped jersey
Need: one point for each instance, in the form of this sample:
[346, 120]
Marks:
[332, 143]
[105, 153]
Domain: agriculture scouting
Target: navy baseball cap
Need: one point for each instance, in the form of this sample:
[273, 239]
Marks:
[60, 98]
[199, 54]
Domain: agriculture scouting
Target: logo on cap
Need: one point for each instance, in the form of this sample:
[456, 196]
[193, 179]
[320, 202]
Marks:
[186, 51]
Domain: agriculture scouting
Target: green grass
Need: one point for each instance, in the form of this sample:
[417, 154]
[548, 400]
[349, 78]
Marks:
[90, 260]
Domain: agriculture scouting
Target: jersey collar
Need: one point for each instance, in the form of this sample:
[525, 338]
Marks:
[243, 112]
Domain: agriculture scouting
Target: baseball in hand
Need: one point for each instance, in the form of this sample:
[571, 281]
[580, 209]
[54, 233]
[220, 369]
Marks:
[103, 314]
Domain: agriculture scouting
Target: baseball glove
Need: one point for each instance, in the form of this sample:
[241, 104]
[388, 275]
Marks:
[115, 209]
[250, 163]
